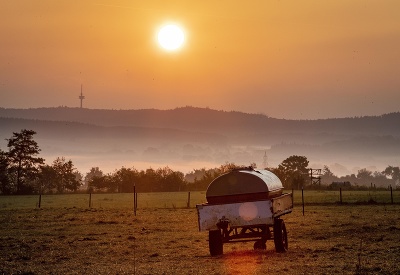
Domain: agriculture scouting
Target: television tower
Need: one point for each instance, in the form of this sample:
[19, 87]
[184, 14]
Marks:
[265, 160]
[81, 97]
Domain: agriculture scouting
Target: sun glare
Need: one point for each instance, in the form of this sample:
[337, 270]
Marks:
[171, 37]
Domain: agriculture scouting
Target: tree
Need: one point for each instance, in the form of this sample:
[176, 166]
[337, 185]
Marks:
[170, 180]
[47, 179]
[394, 173]
[380, 180]
[126, 179]
[148, 181]
[201, 178]
[364, 176]
[327, 172]
[228, 166]
[293, 171]
[327, 176]
[94, 172]
[100, 183]
[194, 175]
[5, 187]
[23, 161]
[78, 177]
[65, 176]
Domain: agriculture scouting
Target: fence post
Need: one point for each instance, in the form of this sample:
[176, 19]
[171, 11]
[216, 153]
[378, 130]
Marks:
[188, 201]
[134, 199]
[302, 198]
[292, 196]
[391, 194]
[136, 203]
[40, 200]
[340, 192]
[90, 200]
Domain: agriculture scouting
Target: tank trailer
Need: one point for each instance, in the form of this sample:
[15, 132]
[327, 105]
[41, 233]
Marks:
[244, 205]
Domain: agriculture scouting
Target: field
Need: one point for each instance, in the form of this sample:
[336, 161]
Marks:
[65, 236]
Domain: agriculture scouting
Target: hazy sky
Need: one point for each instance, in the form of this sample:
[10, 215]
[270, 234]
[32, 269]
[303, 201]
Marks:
[285, 59]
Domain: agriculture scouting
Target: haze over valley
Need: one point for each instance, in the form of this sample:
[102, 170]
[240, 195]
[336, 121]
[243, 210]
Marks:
[192, 138]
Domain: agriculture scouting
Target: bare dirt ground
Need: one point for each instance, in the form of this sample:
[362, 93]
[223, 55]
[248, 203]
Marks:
[332, 239]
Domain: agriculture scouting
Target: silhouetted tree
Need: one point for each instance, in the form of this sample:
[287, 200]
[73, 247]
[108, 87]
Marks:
[5, 187]
[23, 163]
[125, 179]
[148, 181]
[47, 179]
[394, 173]
[194, 175]
[229, 166]
[327, 176]
[78, 177]
[94, 172]
[364, 177]
[169, 180]
[101, 183]
[380, 180]
[202, 178]
[65, 177]
[293, 171]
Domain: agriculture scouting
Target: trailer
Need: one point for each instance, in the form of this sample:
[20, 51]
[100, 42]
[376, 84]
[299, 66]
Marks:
[244, 205]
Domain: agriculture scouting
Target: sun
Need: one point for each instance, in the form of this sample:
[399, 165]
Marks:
[171, 37]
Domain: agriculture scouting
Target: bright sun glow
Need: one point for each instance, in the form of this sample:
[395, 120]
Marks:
[171, 37]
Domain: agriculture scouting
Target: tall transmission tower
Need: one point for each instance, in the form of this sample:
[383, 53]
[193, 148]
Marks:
[81, 97]
[265, 160]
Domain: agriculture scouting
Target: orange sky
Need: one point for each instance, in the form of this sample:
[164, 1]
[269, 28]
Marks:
[286, 59]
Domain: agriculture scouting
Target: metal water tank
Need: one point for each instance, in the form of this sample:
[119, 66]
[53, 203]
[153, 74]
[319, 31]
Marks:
[245, 184]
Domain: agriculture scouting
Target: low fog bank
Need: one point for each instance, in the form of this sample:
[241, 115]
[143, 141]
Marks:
[187, 157]
[193, 138]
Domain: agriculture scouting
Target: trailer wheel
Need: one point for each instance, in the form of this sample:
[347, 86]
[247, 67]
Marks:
[260, 245]
[280, 236]
[215, 242]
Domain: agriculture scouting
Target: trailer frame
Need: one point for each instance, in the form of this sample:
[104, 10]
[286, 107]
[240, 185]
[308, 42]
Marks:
[226, 224]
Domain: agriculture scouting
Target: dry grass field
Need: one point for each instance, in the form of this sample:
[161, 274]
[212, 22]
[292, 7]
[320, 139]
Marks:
[328, 239]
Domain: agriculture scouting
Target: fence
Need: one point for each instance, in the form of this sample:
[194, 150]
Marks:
[372, 196]
[185, 199]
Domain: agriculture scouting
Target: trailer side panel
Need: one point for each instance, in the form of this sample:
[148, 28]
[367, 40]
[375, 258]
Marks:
[238, 214]
[282, 205]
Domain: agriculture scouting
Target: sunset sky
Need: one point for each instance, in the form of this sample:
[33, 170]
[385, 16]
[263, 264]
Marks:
[286, 59]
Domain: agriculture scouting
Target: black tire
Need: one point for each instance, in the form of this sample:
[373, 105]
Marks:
[280, 236]
[260, 245]
[215, 242]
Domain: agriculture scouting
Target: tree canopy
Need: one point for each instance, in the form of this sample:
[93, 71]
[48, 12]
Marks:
[23, 163]
[293, 171]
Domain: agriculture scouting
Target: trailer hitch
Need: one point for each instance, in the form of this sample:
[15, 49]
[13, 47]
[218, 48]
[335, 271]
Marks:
[223, 223]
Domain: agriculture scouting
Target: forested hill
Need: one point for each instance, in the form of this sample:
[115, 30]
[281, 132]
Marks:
[192, 137]
[208, 120]
[63, 130]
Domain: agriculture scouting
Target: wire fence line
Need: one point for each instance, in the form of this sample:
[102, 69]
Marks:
[186, 199]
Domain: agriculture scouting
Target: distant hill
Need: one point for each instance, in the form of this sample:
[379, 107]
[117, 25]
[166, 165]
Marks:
[207, 120]
[204, 135]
